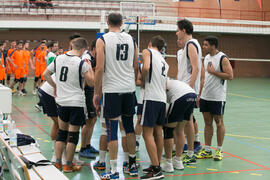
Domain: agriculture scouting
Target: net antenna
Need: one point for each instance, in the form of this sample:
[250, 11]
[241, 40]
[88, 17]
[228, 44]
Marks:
[135, 13]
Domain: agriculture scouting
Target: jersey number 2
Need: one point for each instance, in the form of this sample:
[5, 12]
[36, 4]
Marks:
[122, 52]
[63, 74]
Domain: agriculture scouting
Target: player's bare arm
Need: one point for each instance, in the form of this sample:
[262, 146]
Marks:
[193, 56]
[146, 66]
[227, 73]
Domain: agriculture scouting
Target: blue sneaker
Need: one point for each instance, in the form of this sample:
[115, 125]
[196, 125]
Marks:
[87, 154]
[93, 150]
[100, 166]
[125, 164]
[197, 147]
[133, 171]
[109, 175]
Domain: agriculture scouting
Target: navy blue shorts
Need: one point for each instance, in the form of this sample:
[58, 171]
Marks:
[72, 115]
[214, 107]
[182, 108]
[153, 113]
[139, 109]
[117, 104]
[48, 103]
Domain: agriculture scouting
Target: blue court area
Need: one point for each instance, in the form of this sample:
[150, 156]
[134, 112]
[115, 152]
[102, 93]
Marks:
[246, 147]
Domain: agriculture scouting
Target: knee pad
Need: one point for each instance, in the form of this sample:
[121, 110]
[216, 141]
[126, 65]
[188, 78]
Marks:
[62, 135]
[103, 131]
[21, 80]
[25, 79]
[112, 128]
[123, 133]
[36, 79]
[168, 132]
[8, 78]
[127, 122]
[73, 137]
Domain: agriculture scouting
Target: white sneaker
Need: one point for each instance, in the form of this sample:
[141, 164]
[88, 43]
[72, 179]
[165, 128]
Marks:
[38, 107]
[177, 163]
[34, 92]
[167, 166]
[21, 93]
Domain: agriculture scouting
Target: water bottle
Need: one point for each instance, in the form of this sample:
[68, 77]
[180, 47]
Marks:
[7, 125]
[13, 135]
[1, 122]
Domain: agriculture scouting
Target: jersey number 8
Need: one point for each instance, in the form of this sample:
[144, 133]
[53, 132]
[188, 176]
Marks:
[63, 74]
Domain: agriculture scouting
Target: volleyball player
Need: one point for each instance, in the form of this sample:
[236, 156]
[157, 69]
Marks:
[116, 70]
[212, 97]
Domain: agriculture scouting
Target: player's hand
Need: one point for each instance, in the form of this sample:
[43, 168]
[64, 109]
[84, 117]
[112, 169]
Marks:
[96, 102]
[211, 69]
[198, 101]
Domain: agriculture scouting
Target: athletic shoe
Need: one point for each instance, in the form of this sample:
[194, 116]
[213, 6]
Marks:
[58, 166]
[109, 175]
[100, 166]
[21, 93]
[93, 150]
[133, 171]
[38, 107]
[76, 161]
[203, 154]
[125, 165]
[185, 148]
[167, 167]
[149, 169]
[197, 147]
[218, 156]
[177, 164]
[137, 146]
[68, 169]
[87, 154]
[34, 92]
[24, 91]
[153, 175]
[189, 160]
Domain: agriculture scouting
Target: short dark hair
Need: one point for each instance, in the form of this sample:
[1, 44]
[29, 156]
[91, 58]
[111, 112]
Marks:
[20, 42]
[93, 44]
[115, 19]
[79, 43]
[185, 24]
[212, 40]
[158, 42]
[50, 44]
[74, 36]
[1, 43]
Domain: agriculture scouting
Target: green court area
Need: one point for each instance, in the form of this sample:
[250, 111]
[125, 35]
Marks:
[246, 147]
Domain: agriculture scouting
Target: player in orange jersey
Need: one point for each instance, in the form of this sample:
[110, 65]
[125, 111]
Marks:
[2, 65]
[27, 59]
[9, 67]
[16, 59]
[40, 64]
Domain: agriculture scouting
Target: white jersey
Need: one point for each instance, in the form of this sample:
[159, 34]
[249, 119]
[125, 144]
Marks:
[47, 88]
[214, 88]
[184, 65]
[69, 71]
[155, 82]
[119, 74]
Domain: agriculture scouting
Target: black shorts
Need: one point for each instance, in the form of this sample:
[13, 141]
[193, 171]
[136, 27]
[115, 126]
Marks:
[91, 110]
[214, 107]
[73, 115]
[48, 103]
[117, 104]
[139, 109]
[153, 113]
[182, 108]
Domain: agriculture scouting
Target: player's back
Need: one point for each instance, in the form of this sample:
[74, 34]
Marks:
[155, 83]
[119, 73]
[69, 80]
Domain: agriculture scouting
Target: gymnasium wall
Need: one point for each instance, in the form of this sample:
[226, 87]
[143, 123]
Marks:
[234, 45]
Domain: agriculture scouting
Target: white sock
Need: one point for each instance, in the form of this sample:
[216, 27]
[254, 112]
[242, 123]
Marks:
[168, 160]
[113, 165]
[126, 158]
[190, 153]
[102, 156]
[138, 137]
[207, 148]
[178, 158]
[197, 138]
[219, 148]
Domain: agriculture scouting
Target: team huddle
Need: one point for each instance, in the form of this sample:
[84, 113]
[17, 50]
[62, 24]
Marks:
[81, 85]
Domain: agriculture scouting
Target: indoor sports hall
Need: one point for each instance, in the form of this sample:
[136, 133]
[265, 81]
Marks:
[243, 31]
